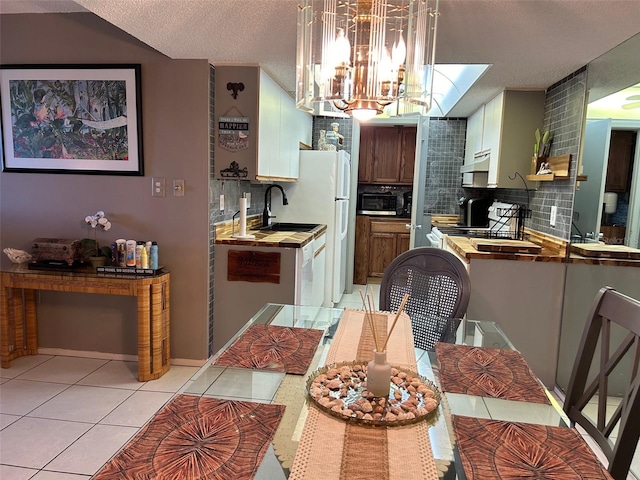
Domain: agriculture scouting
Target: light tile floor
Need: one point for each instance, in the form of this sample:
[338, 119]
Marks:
[63, 418]
[354, 300]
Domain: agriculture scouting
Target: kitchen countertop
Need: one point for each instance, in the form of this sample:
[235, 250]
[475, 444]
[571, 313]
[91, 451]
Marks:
[266, 238]
[611, 262]
[550, 253]
[384, 217]
[444, 220]
[462, 247]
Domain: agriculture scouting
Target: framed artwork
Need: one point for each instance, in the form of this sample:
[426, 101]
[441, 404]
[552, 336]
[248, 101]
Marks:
[73, 119]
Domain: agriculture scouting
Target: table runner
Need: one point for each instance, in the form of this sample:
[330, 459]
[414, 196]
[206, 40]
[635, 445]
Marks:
[272, 347]
[198, 438]
[488, 372]
[331, 448]
[495, 449]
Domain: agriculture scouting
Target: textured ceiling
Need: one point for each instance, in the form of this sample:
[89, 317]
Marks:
[530, 43]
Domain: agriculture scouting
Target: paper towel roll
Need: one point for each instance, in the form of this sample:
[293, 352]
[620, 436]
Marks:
[610, 202]
[243, 217]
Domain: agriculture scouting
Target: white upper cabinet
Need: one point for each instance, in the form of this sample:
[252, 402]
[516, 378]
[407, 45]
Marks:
[474, 135]
[508, 123]
[257, 127]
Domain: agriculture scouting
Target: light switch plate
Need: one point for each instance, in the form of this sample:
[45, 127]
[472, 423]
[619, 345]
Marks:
[157, 186]
[221, 203]
[178, 188]
[554, 214]
[248, 197]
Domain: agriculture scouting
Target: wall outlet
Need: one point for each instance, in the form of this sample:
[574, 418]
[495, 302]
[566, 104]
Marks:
[157, 187]
[248, 197]
[554, 213]
[222, 203]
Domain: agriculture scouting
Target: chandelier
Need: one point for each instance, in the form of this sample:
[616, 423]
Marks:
[365, 55]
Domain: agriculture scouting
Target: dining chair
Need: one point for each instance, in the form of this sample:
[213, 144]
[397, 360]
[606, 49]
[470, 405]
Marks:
[439, 289]
[607, 365]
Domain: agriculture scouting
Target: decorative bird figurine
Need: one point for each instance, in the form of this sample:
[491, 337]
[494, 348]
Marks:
[17, 256]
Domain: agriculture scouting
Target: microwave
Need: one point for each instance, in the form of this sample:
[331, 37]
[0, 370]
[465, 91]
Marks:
[377, 204]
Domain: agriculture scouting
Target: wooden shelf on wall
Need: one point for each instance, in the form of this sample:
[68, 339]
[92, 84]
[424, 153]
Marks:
[559, 166]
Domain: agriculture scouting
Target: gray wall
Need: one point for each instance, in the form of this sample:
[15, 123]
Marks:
[175, 118]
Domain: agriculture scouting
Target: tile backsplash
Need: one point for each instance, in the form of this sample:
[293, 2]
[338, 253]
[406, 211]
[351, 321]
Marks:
[445, 156]
[564, 113]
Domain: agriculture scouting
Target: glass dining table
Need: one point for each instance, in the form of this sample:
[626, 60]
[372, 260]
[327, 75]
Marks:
[264, 386]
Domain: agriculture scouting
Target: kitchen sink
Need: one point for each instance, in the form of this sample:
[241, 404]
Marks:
[290, 227]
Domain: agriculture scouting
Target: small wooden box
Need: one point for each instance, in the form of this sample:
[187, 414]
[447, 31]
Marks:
[56, 250]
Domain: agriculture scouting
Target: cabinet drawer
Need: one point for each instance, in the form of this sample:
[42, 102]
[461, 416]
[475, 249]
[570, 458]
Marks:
[378, 226]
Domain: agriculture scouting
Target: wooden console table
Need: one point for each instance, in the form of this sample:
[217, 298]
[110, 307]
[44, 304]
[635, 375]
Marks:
[19, 326]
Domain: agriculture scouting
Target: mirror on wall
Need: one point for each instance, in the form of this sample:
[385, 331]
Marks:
[614, 73]
[607, 206]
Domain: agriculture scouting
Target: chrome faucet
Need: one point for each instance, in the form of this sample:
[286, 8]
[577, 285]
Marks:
[266, 213]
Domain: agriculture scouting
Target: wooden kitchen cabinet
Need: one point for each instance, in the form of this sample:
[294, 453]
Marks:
[621, 150]
[387, 155]
[408, 154]
[365, 162]
[503, 130]
[361, 251]
[404, 242]
[378, 242]
[257, 127]
[383, 248]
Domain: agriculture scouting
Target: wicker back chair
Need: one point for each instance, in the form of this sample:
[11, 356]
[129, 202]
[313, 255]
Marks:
[439, 288]
[607, 364]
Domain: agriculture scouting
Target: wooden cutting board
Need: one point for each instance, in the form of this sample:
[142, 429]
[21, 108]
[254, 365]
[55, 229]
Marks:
[605, 251]
[505, 246]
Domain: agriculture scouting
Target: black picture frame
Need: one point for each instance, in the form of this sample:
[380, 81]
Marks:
[72, 119]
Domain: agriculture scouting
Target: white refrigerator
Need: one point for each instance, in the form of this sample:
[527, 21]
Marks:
[321, 195]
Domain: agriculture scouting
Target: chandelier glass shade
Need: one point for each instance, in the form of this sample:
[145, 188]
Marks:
[364, 55]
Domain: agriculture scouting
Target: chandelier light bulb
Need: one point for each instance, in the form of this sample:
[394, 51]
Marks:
[342, 49]
[386, 66]
[399, 52]
[364, 114]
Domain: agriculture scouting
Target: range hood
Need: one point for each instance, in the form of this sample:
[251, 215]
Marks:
[480, 163]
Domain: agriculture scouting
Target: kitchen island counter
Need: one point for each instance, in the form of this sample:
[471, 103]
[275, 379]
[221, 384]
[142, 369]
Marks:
[267, 238]
[611, 262]
[463, 248]
[552, 251]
